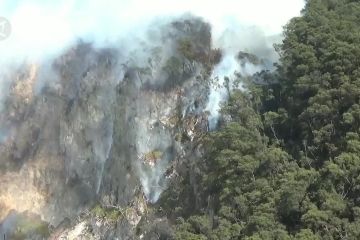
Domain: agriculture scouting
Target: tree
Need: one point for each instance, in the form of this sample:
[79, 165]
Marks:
[285, 164]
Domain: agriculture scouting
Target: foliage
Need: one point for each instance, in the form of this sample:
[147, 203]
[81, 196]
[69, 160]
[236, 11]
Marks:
[108, 213]
[286, 164]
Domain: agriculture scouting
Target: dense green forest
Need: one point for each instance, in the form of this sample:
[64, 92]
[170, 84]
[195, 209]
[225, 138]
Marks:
[285, 162]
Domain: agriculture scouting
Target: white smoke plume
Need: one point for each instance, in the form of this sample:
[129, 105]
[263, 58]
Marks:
[231, 42]
[42, 29]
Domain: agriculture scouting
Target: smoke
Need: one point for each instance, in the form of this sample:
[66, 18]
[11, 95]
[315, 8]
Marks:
[8, 225]
[254, 41]
[151, 179]
[3, 135]
[42, 29]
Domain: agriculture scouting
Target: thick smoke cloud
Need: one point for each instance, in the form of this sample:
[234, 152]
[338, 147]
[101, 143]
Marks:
[41, 27]
[44, 28]
[252, 39]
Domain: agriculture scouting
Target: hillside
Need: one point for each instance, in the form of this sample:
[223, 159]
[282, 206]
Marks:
[178, 139]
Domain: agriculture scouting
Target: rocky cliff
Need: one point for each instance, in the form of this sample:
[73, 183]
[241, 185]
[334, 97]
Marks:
[90, 140]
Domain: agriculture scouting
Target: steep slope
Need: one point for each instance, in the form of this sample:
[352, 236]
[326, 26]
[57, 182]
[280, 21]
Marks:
[91, 138]
[99, 127]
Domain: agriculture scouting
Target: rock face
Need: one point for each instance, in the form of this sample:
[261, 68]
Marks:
[101, 129]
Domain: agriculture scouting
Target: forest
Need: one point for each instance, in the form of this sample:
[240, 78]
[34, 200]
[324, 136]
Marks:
[285, 160]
